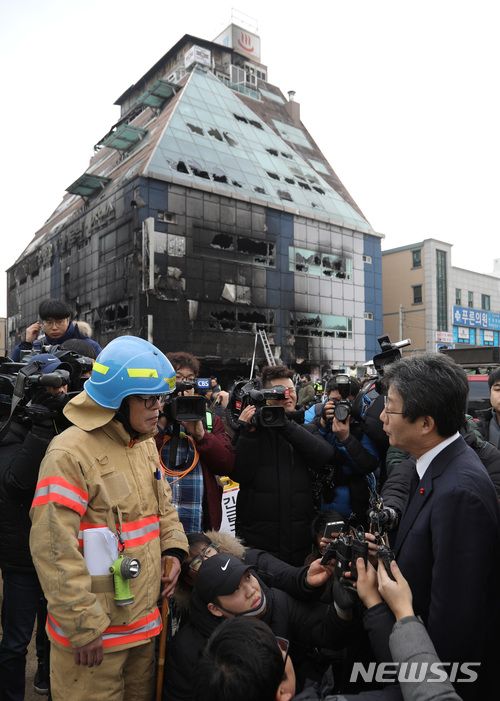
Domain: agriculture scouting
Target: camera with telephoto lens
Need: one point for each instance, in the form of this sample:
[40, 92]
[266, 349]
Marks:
[181, 407]
[343, 406]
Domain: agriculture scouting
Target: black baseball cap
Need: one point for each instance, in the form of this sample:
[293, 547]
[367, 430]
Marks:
[219, 575]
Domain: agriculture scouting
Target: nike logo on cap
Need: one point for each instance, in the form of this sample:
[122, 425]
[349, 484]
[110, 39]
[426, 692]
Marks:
[225, 566]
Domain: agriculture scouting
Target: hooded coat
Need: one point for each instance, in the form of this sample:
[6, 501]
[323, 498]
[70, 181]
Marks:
[94, 475]
[72, 332]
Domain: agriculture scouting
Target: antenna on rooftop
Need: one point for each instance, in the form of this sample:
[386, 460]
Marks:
[241, 18]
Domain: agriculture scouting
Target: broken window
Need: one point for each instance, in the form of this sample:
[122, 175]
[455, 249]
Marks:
[226, 319]
[274, 176]
[230, 139]
[219, 176]
[198, 170]
[252, 317]
[303, 260]
[223, 241]
[117, 316]
[304, 186]
[334, 266]
[195, 129]
[238, 248]
[242, 320]
[252, 247]
[285, 195]
[240, 294]
[272, 151]
[240, 118]
[216, 134]
[182, 167]
[312, 179]
[327, 325]
[261, 251]
[254, 123]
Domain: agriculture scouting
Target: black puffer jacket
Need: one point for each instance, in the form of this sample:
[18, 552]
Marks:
[21, 453]
[483, 418]
[304, 624]
[275, 508]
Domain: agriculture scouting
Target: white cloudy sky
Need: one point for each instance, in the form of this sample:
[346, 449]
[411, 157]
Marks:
[401, 96]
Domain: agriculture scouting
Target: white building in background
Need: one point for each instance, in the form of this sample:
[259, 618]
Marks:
[428, 300]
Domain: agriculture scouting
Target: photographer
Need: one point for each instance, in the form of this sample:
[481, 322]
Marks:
[55, 316]
[344, 485]
[202, 451]
[274, 508]
[37, 419]
[307, 393]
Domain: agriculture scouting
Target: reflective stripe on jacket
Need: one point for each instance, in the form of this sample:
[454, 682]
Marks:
[89, 479]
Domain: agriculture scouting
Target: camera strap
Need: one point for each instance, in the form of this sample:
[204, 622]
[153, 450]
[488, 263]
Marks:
[174, 446]
[173, 470]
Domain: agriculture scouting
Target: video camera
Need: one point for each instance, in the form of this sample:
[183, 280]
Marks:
[20, 382]
[390, 352]
[27, 376]
[79, 365]
[250, 392]
[179, 407]
[9, 373]
[369, 402]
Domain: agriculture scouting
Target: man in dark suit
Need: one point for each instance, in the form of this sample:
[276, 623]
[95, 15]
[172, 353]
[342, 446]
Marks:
[448, 543]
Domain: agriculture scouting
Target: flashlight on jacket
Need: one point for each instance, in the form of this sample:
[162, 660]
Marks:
[123, 569]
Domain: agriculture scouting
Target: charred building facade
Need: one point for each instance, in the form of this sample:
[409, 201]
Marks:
[207, 213]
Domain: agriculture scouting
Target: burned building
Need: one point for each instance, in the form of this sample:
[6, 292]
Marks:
[208, 213]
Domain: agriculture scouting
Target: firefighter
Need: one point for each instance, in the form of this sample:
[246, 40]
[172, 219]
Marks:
[103, 472]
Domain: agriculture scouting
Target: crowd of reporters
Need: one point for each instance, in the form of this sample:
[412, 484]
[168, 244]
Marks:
[286, 575]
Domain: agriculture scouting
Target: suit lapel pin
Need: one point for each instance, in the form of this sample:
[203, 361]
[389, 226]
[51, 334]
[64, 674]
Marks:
[422, 490]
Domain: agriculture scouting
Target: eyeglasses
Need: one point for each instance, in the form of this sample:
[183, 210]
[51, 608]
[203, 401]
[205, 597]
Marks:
[207, 552]
[284, 646]
[388, 411]
[151, 399]
[183, 378]
[55, 322]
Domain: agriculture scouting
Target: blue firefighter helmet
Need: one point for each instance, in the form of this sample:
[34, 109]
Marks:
[129, 365]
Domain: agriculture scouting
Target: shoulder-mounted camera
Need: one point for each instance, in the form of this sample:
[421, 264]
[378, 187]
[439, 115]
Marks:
[181, 407]
[250, 392]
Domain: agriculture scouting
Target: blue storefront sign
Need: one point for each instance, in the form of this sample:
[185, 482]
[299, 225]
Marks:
[475, 326]
[477, 318]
